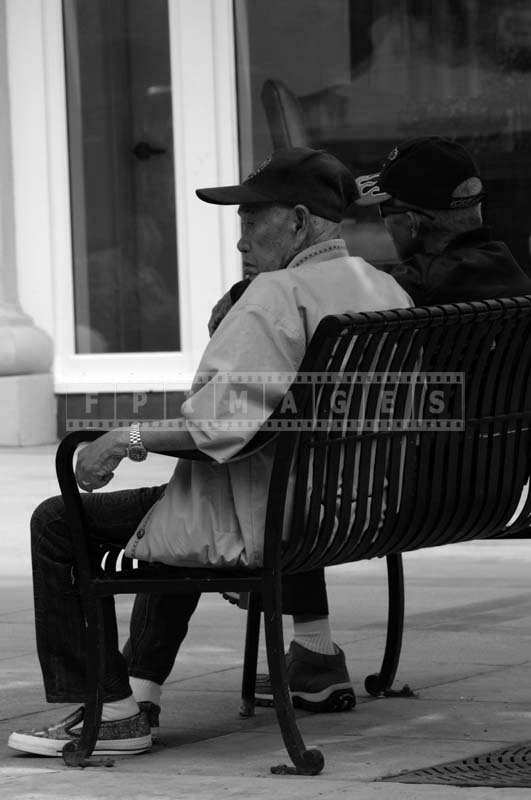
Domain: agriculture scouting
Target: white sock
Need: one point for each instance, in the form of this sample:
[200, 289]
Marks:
[315, 635]
[119, 709]
[144, 690]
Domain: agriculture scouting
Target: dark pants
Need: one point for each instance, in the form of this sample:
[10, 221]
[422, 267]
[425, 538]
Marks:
[159, 623]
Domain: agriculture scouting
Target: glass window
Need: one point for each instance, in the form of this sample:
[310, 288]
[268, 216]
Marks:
[359, 77]
[121, 176]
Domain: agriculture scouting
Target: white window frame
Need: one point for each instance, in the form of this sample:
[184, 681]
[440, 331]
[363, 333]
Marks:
[206, 154]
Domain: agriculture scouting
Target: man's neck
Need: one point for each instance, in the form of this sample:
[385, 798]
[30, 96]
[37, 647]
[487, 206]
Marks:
[323, 237]
[322, 250]
[436, 243]
[311, 241]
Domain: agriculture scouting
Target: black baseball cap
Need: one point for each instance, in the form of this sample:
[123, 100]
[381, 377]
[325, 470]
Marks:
[422, 172]
[290, 176]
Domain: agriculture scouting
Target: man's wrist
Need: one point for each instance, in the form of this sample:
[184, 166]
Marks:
[120, 441]
[136, 450]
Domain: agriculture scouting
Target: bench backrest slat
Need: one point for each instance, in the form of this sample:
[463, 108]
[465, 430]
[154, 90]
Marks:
[359, 482]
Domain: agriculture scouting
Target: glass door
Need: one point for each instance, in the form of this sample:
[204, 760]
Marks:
[139, 109]
[123, 216]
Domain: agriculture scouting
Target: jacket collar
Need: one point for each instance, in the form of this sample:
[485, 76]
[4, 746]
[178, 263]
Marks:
[476, 236]
[323, 251]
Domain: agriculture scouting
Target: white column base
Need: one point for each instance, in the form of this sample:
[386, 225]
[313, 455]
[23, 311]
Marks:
[24, 348]
[27, 410]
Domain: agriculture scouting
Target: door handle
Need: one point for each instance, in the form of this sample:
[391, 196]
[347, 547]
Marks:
[144, 150]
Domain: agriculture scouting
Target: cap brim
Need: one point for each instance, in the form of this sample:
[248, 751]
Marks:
[369, 192]
[382, 197]
[232, 195]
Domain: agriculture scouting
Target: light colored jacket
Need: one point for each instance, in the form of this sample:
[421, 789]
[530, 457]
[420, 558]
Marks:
[213, 514]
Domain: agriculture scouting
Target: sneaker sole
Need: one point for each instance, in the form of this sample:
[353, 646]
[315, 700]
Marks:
[54, 747]
[338, 700]
[338, 697]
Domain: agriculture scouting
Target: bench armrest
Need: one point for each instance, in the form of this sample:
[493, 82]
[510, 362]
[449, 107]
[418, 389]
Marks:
[64, 466]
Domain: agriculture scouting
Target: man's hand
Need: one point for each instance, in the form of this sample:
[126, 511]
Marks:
[97, 461]
[221, 308]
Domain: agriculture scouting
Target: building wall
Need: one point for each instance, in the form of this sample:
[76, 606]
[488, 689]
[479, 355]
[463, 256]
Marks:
[30, 151]
[205, 153]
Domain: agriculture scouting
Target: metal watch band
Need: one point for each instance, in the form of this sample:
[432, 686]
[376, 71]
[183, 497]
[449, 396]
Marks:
[136, 450]
[135, 440]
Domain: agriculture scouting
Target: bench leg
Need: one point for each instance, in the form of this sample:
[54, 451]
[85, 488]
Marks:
[252, 638]
[77, 753]
[307, 762]
[380, 684]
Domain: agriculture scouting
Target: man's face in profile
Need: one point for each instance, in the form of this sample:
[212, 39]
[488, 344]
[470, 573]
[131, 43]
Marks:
[399, 229]
[399, 225]
[267, 240]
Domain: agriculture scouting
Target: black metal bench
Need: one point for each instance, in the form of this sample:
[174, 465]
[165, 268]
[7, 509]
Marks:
[374, 488]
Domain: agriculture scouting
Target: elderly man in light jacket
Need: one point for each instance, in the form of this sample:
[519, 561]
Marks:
[210, 513]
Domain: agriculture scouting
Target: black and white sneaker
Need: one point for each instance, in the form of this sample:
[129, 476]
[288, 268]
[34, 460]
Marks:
[152, 712]
[120, 737]
[317, 682]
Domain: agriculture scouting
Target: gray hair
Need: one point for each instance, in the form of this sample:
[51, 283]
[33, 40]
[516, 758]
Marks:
[448, 223]
[322, 229]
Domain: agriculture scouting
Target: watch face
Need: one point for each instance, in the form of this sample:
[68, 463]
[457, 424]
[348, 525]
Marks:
[137, 452]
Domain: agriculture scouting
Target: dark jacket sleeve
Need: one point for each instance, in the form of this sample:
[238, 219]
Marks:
[238, 289]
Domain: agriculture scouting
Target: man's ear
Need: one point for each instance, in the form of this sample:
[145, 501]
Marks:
[302, 219]
[414, 224]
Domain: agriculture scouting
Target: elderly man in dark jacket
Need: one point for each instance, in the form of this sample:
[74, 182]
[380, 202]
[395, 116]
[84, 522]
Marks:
[429, 194]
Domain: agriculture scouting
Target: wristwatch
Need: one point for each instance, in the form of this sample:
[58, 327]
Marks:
[136, 450]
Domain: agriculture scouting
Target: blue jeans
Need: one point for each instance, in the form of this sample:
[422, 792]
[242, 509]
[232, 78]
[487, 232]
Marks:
[156, 630]
[159, 622]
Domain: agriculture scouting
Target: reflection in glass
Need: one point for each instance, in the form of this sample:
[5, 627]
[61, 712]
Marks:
[121, 175]
[356, 78]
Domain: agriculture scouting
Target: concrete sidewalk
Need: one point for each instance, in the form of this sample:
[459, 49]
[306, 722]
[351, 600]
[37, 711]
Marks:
[466, 652]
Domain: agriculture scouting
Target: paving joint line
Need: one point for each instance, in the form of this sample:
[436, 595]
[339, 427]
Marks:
[474, 675]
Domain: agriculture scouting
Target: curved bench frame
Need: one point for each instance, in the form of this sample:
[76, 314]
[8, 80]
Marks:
[408, 488]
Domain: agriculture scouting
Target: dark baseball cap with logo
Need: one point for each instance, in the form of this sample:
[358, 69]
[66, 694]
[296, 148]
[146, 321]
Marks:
[422, 172]
[289, 176]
